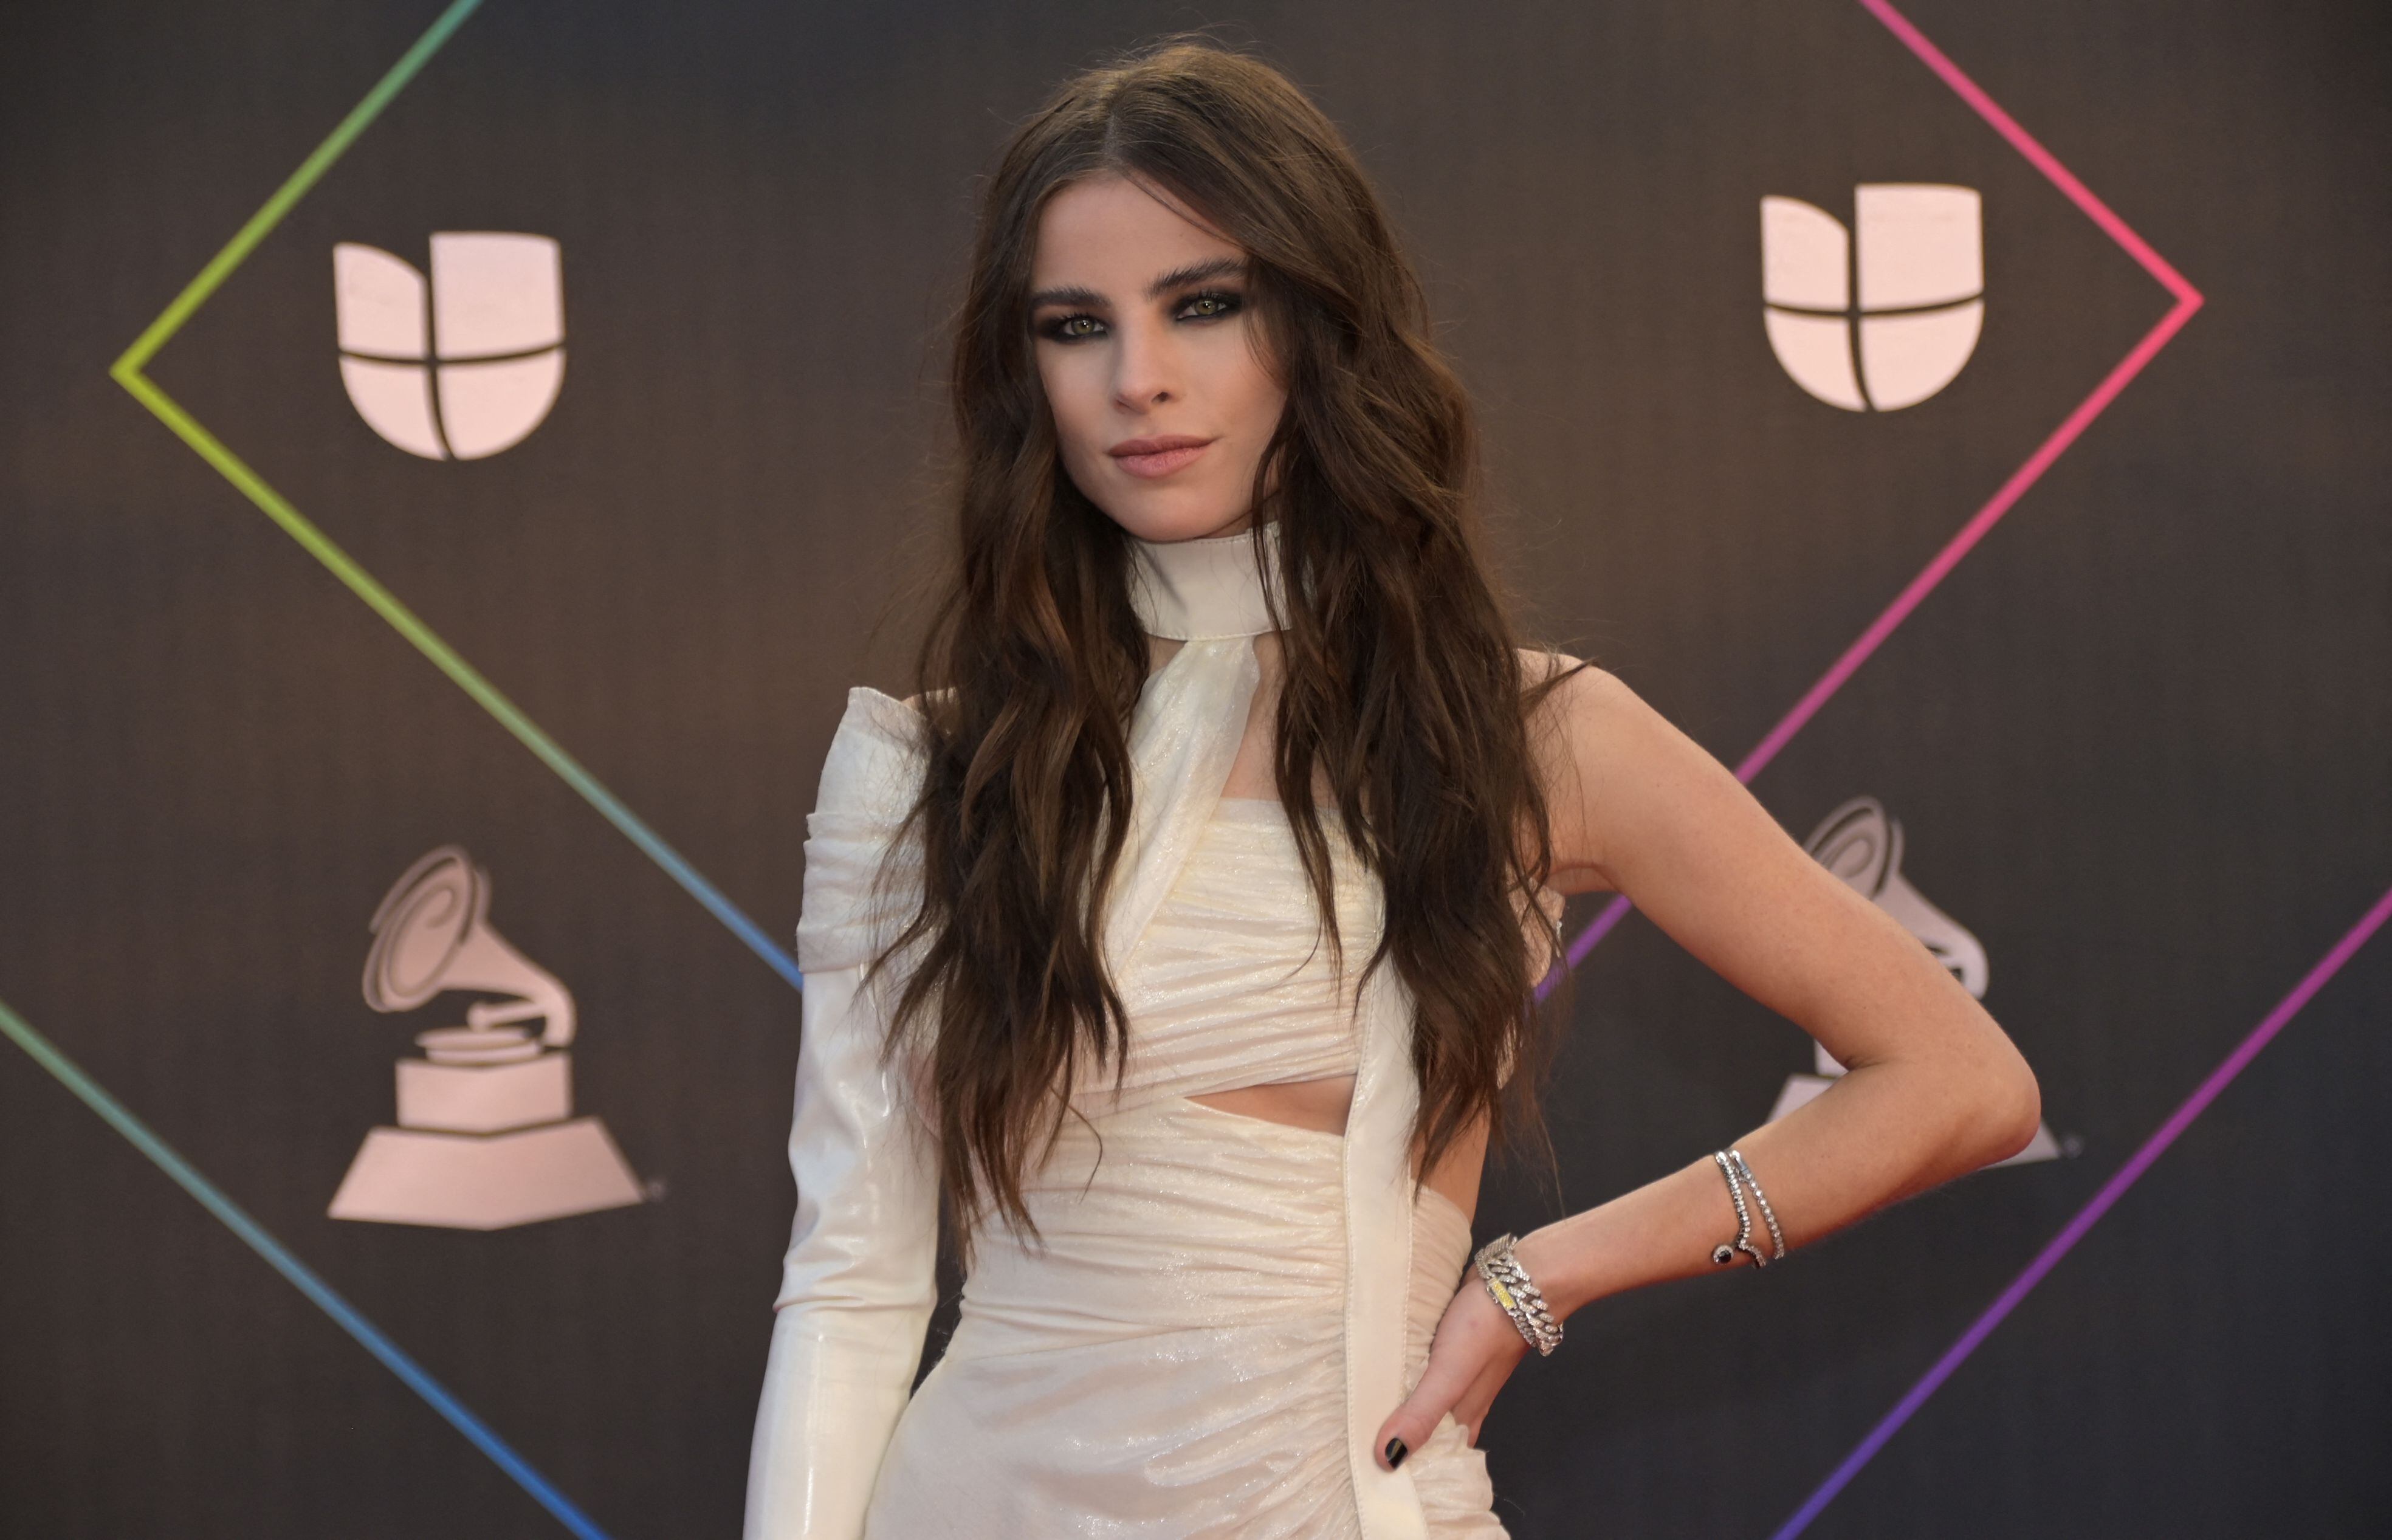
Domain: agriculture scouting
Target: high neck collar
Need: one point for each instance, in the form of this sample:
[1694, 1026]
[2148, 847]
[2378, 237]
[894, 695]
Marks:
[1203, 589]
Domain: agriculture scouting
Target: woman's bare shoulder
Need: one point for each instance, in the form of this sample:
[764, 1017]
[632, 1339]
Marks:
[1602, 725]
[1576, 685]
[1588, 732]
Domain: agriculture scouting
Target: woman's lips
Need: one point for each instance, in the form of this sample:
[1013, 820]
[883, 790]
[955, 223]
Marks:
[1160, 463]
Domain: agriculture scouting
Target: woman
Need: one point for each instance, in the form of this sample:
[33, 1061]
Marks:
[1180, 936]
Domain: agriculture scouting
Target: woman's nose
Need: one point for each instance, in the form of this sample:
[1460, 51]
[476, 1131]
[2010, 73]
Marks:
[1146, 367]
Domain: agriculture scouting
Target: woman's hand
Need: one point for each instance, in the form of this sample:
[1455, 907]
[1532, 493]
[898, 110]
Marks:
[1474, 1352]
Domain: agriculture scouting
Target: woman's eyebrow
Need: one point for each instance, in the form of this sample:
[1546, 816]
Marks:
[1195, 272]
[1085, 299]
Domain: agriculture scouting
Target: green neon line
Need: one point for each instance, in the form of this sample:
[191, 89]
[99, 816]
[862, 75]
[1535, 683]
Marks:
[361, 582]
[450, 663]
[294, 188]
[127, 371]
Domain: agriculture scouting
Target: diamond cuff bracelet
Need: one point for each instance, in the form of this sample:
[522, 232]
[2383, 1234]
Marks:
[1509, 1284]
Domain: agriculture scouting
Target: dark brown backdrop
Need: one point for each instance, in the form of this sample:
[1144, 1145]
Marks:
[2137, 739]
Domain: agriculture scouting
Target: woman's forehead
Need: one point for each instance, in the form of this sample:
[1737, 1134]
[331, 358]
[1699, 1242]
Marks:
[1118, 238]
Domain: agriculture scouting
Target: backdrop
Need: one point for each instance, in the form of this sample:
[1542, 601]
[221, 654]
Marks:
[457, 461]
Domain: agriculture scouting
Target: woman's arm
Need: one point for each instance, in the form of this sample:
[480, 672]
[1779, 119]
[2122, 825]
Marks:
[1935, 1088]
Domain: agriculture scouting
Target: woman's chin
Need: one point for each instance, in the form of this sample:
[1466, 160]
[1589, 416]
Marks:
[1165, 522]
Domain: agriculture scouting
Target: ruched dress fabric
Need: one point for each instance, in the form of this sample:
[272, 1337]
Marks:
[1168, 1359]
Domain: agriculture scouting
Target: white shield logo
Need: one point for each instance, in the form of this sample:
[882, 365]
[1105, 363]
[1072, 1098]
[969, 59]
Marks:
[1918, 272]
[462, 367]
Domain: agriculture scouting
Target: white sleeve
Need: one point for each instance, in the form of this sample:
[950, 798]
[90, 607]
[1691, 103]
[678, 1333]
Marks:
[859, 1280]
[858, 1283]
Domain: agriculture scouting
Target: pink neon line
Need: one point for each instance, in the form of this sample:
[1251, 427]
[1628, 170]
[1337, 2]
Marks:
[1961, 544]
[2188, 300]
[2112, 1190]
[2026, 144]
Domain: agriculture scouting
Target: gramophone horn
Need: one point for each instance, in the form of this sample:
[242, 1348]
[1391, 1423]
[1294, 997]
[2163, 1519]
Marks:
[432, 932]
[1859, 843]
[418, 926]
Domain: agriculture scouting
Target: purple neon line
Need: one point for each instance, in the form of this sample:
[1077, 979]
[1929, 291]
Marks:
[2188, 300]
[2127, 1175]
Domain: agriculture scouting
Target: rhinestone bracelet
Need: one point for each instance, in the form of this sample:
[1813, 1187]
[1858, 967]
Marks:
[1725, 1251]
[1776, 1236]
[1730, 1163]
[1509, 1284]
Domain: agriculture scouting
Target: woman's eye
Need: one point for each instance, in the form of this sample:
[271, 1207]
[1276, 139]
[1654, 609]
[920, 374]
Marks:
[1221, 303]
[1073, 329]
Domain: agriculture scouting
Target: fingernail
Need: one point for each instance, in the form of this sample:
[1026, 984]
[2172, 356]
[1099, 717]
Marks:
[1395, 1453]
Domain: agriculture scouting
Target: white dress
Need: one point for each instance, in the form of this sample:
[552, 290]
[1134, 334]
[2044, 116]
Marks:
[1222, 1310]
[1171, 1363]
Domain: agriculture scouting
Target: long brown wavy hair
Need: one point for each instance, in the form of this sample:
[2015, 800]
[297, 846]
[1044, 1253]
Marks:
[1405, 690]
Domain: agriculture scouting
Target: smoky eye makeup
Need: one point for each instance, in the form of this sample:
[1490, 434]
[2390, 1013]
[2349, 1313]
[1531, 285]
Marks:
[1210, 305]
[1070, 326]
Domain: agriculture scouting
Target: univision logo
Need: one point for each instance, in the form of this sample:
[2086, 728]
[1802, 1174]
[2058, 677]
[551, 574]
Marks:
[1915, 262]
[464, 366]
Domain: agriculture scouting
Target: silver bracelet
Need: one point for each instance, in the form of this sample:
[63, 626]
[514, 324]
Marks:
[1776, 1236]
[1509, 1284]
[1725, 1251]
[1730, 1163]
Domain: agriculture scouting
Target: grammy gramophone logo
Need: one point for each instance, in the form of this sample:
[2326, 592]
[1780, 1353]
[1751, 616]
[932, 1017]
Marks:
[487, 1137]
[1861, 844]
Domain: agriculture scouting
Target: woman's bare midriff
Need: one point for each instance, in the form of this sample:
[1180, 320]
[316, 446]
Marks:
[1317, 1104]
[1322, 1104]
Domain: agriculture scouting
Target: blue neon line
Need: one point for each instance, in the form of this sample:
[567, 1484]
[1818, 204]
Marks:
[279, 1257]
[677, 865]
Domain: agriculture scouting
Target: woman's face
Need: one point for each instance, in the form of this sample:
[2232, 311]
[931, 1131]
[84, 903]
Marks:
[1143, 334]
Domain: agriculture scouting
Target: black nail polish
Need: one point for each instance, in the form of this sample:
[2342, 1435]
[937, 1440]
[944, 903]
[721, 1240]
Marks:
[1396, 1452]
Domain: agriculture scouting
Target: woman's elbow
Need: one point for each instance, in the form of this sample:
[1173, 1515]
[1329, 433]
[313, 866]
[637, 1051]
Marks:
[2008, 1108]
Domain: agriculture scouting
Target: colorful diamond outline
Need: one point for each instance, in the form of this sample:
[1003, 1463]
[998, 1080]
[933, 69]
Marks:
[2215, 1083]
[127, 371]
